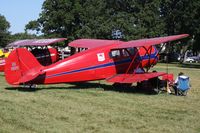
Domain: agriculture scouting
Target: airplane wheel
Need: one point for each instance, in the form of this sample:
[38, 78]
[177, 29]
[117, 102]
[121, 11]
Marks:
[30, 86]
[33, 86]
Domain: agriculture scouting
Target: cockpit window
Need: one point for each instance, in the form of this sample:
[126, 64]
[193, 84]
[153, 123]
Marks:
[132, 51]
[115, 53]
[125, 53]
[120, 53]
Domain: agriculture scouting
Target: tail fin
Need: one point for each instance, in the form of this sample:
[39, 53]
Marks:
[21, 66]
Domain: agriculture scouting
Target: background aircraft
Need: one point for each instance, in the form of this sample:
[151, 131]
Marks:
[113, 60]
[42, 49]
[2, 64]
[3, 55]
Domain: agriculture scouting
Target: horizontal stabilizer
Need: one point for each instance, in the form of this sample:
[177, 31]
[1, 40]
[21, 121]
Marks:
[31, 74]
[133, 78]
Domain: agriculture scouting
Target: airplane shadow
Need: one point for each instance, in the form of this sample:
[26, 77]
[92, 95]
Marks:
[132, 89]
[87, 85]
[71, 86]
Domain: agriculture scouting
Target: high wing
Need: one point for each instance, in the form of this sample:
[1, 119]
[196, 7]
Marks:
[148, 42]
[133, 78]
[92, 43]
[35, 42]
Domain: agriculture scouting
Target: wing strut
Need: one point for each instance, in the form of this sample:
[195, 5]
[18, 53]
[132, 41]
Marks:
[149, 54]
[138, 64]
[133, 59]
[158, 53]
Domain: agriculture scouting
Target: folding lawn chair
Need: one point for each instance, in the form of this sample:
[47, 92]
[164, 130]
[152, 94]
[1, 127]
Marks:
[183, 86]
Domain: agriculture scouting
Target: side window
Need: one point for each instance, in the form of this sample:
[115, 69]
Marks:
[115, 53]
[125, 53]
[132, 51]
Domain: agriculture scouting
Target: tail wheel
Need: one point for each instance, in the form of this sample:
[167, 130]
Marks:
[30, 86]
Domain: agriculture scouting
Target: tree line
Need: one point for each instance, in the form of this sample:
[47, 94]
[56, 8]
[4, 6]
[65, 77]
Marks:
[115, 19]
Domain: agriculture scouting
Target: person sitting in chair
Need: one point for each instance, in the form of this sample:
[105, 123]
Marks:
[181, 84]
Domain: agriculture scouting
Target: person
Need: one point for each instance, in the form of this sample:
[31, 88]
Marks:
[181, 75]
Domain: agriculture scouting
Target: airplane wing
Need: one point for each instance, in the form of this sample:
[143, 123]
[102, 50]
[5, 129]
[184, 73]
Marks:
[92, 43]
[151, 41]
[133, 78]
[35, 42]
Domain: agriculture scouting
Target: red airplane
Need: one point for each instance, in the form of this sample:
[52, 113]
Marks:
[113, 60]
[2, 64]
[39, 48]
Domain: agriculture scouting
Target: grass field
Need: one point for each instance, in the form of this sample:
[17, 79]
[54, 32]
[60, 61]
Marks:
[96, 107]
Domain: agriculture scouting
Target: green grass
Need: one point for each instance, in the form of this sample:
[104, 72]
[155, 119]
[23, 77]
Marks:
[94, 107]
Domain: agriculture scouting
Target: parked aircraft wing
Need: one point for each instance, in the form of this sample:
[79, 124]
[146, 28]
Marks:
[133, 78]
[92, 43]
[148, 42]
[35, 42]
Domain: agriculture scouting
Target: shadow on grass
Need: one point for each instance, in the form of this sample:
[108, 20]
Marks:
[24, 89]
[87, 85]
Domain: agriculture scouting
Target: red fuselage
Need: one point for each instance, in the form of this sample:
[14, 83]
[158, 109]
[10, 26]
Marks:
[97, 63]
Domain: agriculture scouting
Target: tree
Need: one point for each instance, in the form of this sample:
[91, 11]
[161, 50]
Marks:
[134, 19]
[182, 16]
[22, 36]
[149, 21]
[98, 19]
[32, 25]
[57, 18]
[4, 33]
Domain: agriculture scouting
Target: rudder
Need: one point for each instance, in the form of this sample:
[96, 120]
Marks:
[21, 66]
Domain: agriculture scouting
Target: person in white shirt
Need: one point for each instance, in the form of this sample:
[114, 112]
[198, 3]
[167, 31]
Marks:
[181, 74]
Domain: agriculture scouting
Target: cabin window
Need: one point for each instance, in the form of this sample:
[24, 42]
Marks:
[132, 51]
[119, 53]
[124, 53]
[115, 53]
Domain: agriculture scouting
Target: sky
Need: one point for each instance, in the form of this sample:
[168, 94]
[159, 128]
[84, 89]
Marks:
[19, 12]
